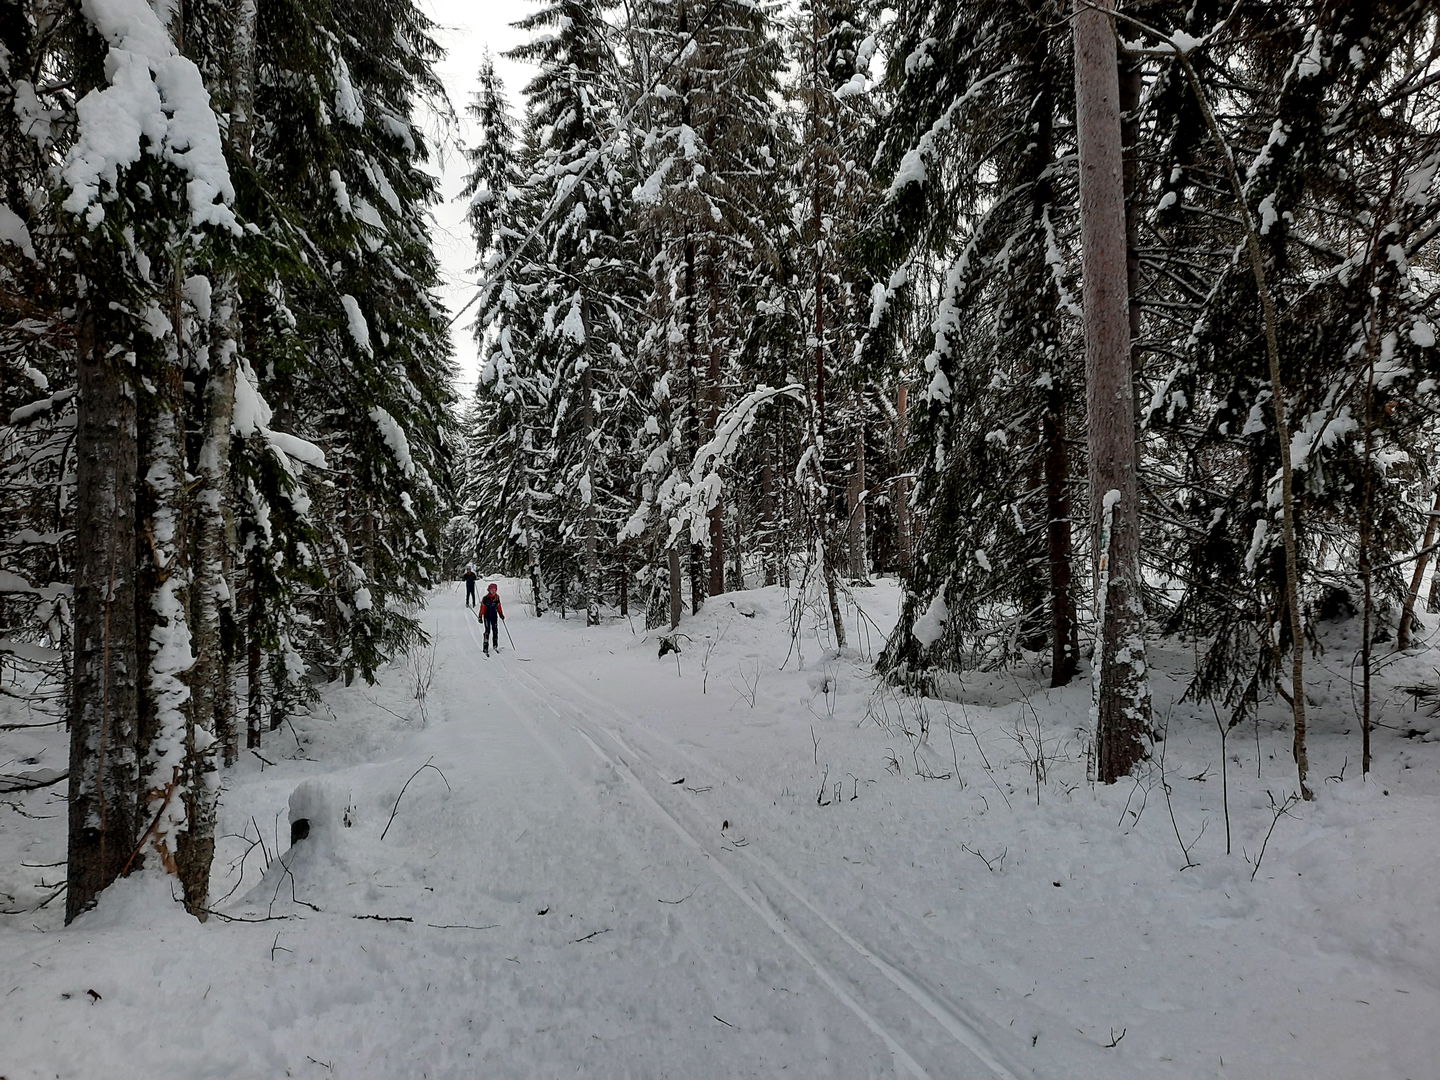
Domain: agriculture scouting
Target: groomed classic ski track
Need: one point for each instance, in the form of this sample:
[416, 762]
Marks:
[850, 969]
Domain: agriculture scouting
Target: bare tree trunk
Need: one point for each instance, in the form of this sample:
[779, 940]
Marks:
[592, 544]
[1412, 594]
[208, 723]
[1122, 697]
[537, 587]
[787, 512]
[697, 551]
[254, 657]
[675, 598]
[859, 561]
[210, 684]
[179, 756]
[712, 419]
[1064, 626]
[901, 499]
[768, 519]
[737, 553]
[1367, 582]
[104, 792]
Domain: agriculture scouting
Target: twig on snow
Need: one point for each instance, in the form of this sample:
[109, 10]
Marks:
[1280, 811]
[395, 809]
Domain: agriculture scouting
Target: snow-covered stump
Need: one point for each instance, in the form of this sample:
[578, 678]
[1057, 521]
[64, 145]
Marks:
[319, 808]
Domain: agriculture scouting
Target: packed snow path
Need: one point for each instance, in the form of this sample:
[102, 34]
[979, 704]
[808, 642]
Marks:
[575, 859]
[667, 945]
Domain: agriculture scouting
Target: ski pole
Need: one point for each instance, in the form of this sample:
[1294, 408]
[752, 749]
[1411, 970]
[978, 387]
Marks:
[507, 632]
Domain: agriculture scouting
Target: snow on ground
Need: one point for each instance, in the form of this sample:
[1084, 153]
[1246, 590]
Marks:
[749, 860]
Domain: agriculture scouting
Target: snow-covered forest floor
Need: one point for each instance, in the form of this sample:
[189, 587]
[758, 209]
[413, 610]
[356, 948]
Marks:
[750, 860]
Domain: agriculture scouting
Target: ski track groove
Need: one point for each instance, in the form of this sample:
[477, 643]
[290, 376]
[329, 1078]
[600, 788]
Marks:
[753, 893]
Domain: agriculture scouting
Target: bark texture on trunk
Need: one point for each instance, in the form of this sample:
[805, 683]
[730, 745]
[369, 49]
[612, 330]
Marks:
[1412, 594]
[592, 540]
[768, 523]
[855, 498]
[214, 584]
[676, 601]
[1064, 627]
[1121, 691]
[901, 499]
[104, 811]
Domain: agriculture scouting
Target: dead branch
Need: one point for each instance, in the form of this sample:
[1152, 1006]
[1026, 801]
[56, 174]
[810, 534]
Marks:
[1279, 811]
[11, 783]
[990, 864]
[396, 808]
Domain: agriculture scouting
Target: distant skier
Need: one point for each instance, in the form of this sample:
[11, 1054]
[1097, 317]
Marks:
[470, 584]
[491, 612]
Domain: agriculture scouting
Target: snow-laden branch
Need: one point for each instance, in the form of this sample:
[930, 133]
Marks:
[691, 502]
[914, 167]
[154, 102]
[252, 416]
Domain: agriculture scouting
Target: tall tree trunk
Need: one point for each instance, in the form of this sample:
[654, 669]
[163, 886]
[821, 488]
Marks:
[592, 542]
[532, 552]
[905, 541]
[254, 659]
[855, 497]
[214, 589]
[712, 421]
[212, 700]
[692, 428]
[827, 546]
[768, 522]
[104, 792]
[1412, 594]
[1121, 690]
[1064, 627]
[179, 755]
[736, 581]
[697, 566]
[1130, 88]
[676, 601]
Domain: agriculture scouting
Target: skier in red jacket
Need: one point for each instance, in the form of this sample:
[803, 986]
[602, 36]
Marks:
[491, 611]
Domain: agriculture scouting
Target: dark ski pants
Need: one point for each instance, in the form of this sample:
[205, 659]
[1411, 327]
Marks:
[492, 630]
[469, 594]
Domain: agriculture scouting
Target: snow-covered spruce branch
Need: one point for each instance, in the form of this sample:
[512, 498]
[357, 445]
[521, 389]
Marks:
[690, 503]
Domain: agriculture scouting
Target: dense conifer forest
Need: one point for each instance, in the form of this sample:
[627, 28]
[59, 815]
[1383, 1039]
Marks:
[1093, 328]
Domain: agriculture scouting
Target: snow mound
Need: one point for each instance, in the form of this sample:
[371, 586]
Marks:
[319, 808]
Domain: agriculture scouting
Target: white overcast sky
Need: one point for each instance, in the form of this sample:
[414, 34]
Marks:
[466, 29]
